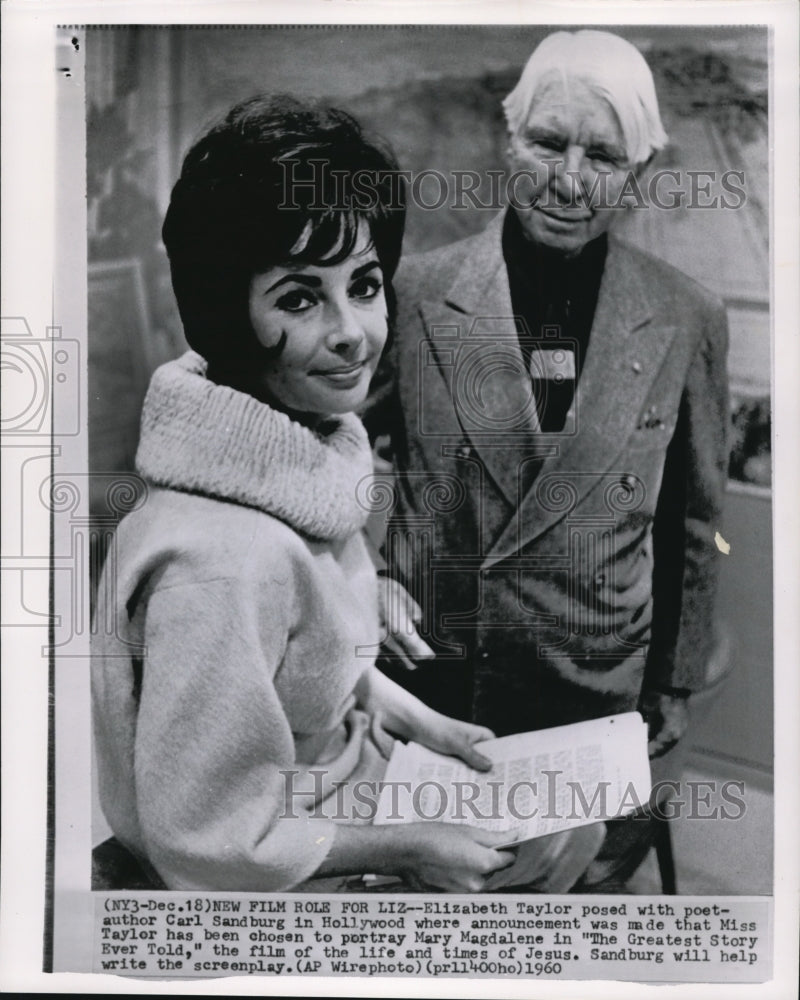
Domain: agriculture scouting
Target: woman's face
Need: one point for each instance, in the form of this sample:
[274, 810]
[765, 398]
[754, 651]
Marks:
[332, 321]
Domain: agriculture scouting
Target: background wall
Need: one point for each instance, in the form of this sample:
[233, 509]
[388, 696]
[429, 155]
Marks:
[435, 94]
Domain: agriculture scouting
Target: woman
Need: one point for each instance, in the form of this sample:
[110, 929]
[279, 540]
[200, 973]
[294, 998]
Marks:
[234, 700]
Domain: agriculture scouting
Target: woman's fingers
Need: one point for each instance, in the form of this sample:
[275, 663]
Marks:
[461, 738]
[506, 858]
[480, 733]
[459, 858]
[491, 838]
[493, 856]
[476, 760]
[500, 854]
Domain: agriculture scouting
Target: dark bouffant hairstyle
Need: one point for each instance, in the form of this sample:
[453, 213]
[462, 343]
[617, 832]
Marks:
[272, 170]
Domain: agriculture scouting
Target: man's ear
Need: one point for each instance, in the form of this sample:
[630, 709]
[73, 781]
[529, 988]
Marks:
[510, 137]
[640, 168]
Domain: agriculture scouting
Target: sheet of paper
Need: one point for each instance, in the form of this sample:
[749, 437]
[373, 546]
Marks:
[541, 782]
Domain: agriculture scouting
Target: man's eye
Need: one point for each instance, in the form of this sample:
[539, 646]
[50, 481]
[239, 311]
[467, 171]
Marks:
[296, 300]
[366, 288]
[552, 145]
[601, 156]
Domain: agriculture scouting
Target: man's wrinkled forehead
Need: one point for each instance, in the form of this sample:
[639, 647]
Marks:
[557, 90]
[605, 64]
[561, 92]
[568, 105]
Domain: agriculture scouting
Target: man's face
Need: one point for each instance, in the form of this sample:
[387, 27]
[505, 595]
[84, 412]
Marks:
[572, 153]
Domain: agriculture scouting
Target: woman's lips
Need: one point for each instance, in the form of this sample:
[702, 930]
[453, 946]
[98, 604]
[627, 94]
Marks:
[345, 376]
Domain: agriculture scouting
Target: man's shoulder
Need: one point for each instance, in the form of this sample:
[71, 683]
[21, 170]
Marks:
[669, 283]
[432, 271]
[428, 274]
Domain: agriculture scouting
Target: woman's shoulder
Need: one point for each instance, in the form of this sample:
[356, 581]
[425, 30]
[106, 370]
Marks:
[179, 538]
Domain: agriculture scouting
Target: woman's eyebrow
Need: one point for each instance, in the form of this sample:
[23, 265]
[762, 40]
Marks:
[304, 279]
[312, 281]
[365, 268]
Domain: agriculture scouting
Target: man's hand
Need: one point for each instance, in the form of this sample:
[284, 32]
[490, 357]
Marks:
[400, 615]
[667, 716]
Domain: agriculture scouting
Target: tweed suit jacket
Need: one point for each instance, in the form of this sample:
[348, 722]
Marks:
[558, 573]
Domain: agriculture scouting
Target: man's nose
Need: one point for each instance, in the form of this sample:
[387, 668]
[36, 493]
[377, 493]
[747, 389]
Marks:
[569, 175]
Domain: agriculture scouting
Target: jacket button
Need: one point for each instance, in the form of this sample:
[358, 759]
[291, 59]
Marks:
[629, 481]
[484, 654]
[464, 451]
[636, 367]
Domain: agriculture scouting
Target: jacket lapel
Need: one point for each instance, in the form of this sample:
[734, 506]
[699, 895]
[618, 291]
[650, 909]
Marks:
[473, 337]
[626, 351]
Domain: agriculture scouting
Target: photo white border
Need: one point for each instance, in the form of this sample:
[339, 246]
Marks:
[30, 209]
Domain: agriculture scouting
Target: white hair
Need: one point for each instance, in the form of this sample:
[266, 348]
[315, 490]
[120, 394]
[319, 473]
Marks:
[613, 68]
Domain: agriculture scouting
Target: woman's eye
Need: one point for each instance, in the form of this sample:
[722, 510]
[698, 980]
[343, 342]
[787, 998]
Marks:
[296, 300]
[366, 288]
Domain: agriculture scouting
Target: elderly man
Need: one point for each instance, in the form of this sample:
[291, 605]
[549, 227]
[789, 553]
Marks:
[558, 411]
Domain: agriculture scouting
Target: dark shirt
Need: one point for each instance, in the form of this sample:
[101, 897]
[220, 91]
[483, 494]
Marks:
[554, 300]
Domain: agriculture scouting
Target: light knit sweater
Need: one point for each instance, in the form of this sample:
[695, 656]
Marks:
[243, 600]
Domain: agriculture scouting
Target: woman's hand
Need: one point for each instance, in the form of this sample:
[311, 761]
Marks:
[454, 738]
[401, 713]
[554, 863]
[426, 855]
[449, 857]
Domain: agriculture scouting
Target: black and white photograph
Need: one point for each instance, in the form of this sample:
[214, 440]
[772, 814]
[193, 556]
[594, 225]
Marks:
[410, 456]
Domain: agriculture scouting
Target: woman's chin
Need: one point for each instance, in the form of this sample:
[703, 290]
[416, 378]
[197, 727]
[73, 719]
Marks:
[319, 405]
[346, 402]
[331, 398]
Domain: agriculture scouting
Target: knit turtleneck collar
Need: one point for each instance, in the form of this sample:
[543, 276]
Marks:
[205, 438]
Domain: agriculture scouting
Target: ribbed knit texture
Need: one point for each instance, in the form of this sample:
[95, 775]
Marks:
[243, 597]
[205, 438]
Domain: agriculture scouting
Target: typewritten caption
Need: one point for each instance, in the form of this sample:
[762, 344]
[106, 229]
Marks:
[689, 939]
